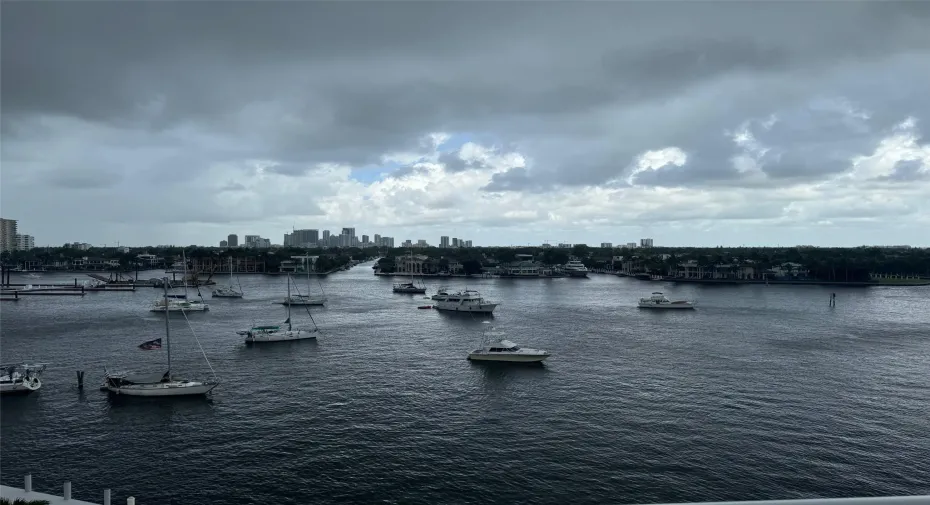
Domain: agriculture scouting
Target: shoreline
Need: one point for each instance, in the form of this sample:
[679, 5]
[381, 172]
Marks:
[863, 284]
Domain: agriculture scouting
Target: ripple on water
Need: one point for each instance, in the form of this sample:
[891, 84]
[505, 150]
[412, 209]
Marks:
[763, 392]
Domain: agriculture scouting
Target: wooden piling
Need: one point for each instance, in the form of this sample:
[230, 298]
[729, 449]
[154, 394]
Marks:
[80, 378]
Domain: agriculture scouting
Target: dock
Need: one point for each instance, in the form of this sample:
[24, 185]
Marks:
[26, 493]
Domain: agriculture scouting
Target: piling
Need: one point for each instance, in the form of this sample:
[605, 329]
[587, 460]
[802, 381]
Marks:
[67, 490]
[27, 483]
[80, 377]
[130, 501]
[106, 497]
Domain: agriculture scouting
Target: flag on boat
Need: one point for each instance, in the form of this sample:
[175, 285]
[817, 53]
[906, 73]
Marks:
[151, 344]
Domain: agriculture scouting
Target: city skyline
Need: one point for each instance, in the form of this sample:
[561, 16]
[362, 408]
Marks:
[578, 126]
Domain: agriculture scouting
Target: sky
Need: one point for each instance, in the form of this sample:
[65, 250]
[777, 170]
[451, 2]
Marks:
[508, 123]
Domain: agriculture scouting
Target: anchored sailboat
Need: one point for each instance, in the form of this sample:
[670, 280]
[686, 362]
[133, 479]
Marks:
[410, 287]
[307, 299]
[275, 333]
[160, 383]
[228, 291]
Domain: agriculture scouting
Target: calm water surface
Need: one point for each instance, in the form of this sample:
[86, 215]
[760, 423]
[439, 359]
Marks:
[763, 392]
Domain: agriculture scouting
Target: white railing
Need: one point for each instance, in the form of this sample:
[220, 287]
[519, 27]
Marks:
[877, 500]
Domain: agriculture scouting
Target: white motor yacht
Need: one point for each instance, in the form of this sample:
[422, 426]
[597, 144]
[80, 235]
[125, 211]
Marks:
[659, 301]
[20, 378]
[441, 293]
[575, 268]
[464, 301]
[505, 350]
[179, 303]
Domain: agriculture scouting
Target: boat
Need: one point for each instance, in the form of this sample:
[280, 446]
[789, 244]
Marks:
[659, 301]
[410, 287]
[575, 268]
[160, 383]
[179, 303]
[308, 299]
[275, 333]
[465, 301]
[228, 291]
[20, 378]
[442, 292]
[493, 349]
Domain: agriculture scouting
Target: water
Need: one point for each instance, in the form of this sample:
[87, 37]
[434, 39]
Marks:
[763, 392]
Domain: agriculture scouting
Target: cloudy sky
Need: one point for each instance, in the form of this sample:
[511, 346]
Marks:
[694, 123]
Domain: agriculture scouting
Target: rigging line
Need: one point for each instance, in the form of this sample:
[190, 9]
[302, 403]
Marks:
[306, 307]
[184, 313]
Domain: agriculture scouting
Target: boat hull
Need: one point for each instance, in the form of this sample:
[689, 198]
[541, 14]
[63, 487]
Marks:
[484, 308]
[667, 306]
[220, 295]
[281, 336]
[508, 358]
[15, 389]
[164, 389]
[195, 308]
[318, 303]
[576, 273]
[414, 291]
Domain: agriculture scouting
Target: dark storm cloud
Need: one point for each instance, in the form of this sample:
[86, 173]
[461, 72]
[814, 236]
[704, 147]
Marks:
[581, 88]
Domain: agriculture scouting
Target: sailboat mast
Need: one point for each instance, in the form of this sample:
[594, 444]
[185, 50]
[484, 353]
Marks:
[167, 327]
[288, 302]
[184, 260]
[230, 271]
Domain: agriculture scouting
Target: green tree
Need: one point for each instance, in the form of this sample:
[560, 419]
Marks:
[471, 267]
[581, 251]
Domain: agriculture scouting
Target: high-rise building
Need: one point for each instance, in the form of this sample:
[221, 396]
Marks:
[287, 240]
[444, 241]
[303, 238]
[455, 242]
[468, 243]
[325, 240]
[232, 240]
[645, 242]
[607, 245]
[25, 242]
[7, 234]
[364, 239]
[378, 240]
[224, 243]
[349, 232]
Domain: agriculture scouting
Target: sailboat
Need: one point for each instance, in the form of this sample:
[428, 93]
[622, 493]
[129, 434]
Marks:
[229, 291]
[275, 333]
[410, 287]
[160, 383]
[180, 303]
[307, 299]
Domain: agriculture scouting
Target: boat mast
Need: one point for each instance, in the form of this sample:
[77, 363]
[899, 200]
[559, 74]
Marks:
[167, 329]
[288, 302]
[184, 260]
[230, 271]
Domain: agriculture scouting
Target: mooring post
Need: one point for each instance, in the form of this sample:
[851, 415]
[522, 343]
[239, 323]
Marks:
[75, 282]
[106, 497]
[80, 376]
[27, 483]
[130, 501]
[67, 493]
